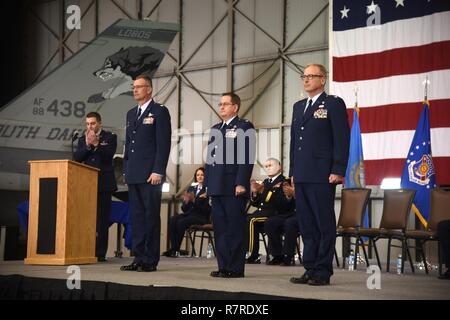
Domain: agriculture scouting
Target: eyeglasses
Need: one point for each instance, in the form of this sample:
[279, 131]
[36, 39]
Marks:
[140, 86]
[224, 104]
[311, 76]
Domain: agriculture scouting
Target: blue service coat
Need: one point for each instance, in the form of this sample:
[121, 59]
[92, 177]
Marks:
[100, 157]
[227, 167]
[147, 144]
[320, 140]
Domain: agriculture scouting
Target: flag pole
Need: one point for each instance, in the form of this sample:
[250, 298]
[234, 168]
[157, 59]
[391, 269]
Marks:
[355, 90]
[426, 82]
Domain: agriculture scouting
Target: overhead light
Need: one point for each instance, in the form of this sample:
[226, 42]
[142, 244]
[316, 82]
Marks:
[166, 187]
[390, 183]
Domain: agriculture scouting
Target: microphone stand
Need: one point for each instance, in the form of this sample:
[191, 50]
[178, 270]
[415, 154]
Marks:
[74, 138]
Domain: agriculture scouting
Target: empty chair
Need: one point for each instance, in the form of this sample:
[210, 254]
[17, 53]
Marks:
[351, 216]
[396, 208]
[439, 211]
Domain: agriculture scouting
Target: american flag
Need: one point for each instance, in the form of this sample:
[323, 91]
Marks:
[386, 49]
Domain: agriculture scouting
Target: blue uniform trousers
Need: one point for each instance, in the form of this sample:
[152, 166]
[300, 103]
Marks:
[317, 222]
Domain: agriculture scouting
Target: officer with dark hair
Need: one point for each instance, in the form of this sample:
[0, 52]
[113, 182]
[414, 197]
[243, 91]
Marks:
[196, 210]
[229, 165]
[96, 148]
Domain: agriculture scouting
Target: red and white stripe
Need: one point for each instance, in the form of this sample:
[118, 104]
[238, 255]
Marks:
[387, 65]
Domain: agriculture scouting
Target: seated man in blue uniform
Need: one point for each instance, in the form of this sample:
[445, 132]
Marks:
[97, 148]
[196, 210]
[320, 138]
[282, 230]
[266, 197]
[229, 165]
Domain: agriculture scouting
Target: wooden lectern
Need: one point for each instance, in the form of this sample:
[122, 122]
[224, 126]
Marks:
[62, 214]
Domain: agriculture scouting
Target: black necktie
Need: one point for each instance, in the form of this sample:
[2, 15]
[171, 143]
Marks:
[223, 129]
[139, 112]
[308, 106]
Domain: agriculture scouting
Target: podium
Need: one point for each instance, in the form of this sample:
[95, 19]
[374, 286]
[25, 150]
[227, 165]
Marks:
[62, 213]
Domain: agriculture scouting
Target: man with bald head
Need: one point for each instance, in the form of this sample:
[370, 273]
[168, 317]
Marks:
[147, 148]
[320, 138]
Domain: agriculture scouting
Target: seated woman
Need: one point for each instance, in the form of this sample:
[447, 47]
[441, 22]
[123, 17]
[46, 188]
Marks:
[196, 210]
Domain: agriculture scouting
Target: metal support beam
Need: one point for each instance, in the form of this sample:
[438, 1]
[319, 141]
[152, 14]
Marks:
[263, 90]
[230, 46]
[191, 85]
[203, 41]
[153, 9]
[96, 17]
[139, 9]
[306, 27]
[237, 62]
[129, 15]
[258, 27]
[180, 82]
[46, 26]
[62, 26]
[282, 84]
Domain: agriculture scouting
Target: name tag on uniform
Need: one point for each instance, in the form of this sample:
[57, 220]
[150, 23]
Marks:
[104, 143]
[148, 120]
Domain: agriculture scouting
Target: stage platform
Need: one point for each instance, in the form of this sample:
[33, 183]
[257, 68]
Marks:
[271, 281]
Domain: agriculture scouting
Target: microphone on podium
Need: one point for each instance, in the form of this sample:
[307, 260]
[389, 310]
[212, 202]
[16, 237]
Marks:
[75, 136]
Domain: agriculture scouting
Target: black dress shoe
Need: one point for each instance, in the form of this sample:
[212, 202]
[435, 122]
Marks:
[218, 274]
[304, 279]
[101, 259]
[174, 254]
[288, 261]
[167, 253]
[275, 261]
[253, 260]
[234, 274]
[316, 281]
[131, 267]
[146, 268]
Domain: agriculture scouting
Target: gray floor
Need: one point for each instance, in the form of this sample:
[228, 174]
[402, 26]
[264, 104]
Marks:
[273, 280]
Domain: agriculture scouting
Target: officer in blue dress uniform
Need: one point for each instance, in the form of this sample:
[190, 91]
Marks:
[96, 148]
[229, 165]
[147, 148]
[320, 138]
